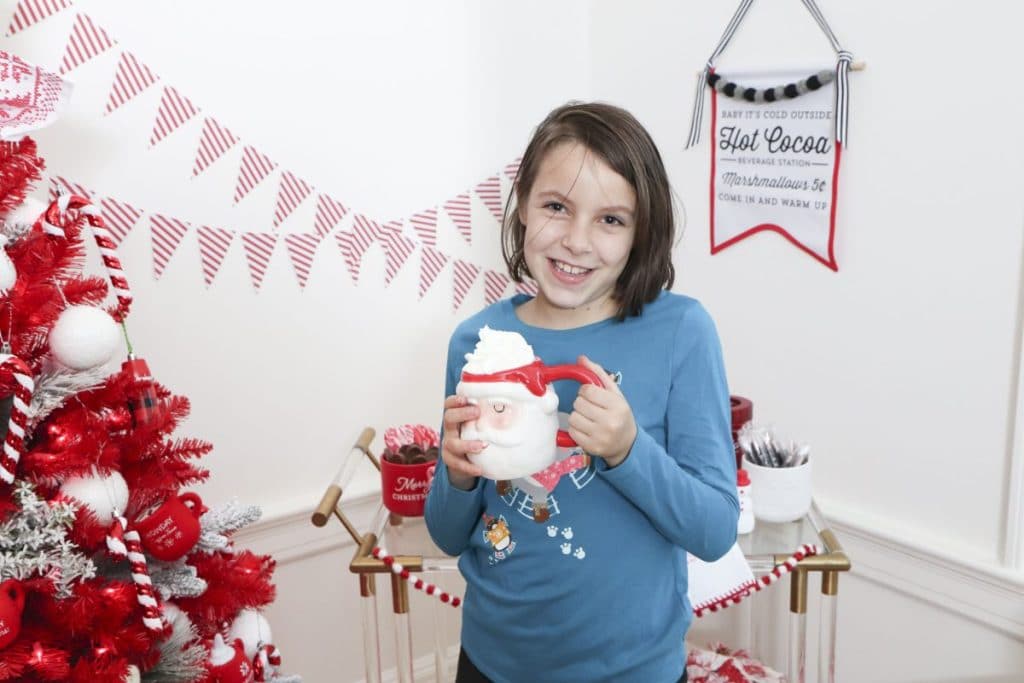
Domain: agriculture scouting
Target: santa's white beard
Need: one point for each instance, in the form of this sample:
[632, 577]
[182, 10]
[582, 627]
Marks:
[522, 450]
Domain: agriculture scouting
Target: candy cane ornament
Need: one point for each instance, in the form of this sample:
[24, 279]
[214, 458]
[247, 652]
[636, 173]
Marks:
[266, 661]
[417, 583]
[51, 223]
[122, 543]
[14, 443]
[768, 579]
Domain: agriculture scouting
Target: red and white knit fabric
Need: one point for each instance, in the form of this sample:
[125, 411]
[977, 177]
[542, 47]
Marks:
[722, 665]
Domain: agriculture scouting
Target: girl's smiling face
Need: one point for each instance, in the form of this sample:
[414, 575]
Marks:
[580, 227]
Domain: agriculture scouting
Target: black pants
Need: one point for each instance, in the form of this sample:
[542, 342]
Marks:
[468, 673]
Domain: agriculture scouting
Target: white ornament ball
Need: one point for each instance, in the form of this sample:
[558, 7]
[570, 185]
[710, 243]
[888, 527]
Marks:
[8, 275]
[27, 213]
[133, 675]
[253, 629]
[84, 337]
[102, 494]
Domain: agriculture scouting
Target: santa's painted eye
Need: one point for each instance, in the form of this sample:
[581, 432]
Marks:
[499, 407]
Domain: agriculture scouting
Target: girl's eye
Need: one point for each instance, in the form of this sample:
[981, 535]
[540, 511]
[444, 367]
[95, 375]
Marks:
[612, 220]
[498, 407]
[557, 207]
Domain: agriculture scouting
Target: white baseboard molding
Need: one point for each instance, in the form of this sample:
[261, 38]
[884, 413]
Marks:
[986, 594]
[424, 669]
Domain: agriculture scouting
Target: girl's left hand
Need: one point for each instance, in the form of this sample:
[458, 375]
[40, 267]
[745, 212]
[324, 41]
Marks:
[602, 422]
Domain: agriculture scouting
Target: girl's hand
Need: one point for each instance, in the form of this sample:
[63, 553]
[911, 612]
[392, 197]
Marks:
[601, 421]
[461, 472]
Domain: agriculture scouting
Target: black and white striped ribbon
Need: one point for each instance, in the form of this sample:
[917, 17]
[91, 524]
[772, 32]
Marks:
[845, 59]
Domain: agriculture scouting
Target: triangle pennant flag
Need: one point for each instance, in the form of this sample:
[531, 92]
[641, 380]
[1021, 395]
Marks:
[255, 167]
[397, 248]
[465, 274]
[290, 194]
[259, 247]
[166, 234]
[489, 192]
[355, 242]
[213, 246]
[302, 248]
[130, 79]
[458, 210]
[175, 110]
[431, 263]
[424, 224]
[512, 168]
[528, 287]
[495, 284]
[119, 217]
[329, 212]
[31, 12]
[61, 185]
[85, 42]
[214, 141]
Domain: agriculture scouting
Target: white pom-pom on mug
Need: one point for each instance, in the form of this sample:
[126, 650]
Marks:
[102, 494]
[84, 337]
[253, 629]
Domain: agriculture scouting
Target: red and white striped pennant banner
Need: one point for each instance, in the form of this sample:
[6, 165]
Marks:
[458, 211]
[61, 185]
[424, 224]
[329, 212]
[302, 249]
[489, 192]
[166, 234]
[31, 12]
[130, 79]
[495, 284]
[175, 110]
[291, 193]
[85, 42]
[397, 248]
[355, 242]
[431, 263]
[214, 141]
[255, 167]
[528, 287]
[120, 218]
[512, 168]
[465, 274]
[213, 246]
[259, 247]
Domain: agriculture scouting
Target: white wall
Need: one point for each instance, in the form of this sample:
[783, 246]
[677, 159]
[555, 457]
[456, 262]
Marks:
[900, 370]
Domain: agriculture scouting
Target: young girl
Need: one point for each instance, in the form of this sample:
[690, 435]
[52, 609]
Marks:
[596, 591]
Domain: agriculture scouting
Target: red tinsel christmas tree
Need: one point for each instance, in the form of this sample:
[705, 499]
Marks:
[110, 570]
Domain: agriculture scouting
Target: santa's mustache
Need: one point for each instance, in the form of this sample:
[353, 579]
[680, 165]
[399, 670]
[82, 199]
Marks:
[505, 439]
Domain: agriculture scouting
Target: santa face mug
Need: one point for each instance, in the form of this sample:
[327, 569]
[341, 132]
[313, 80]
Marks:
[518, 406]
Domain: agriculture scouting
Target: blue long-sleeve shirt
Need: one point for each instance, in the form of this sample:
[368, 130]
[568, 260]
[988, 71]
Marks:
[598, 591]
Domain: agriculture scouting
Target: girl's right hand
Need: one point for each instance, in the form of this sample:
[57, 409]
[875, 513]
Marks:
[461, 472]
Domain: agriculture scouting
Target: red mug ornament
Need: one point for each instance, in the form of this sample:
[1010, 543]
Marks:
[228, 663]
[12, 602]
[170, 531]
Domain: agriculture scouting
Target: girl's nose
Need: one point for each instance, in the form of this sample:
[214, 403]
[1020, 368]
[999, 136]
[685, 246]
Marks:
[577, 237]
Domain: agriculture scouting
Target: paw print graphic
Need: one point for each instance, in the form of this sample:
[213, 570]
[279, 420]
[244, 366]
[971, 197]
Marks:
[552, 531]
[580, 553]
[567, 533]
[566, 548]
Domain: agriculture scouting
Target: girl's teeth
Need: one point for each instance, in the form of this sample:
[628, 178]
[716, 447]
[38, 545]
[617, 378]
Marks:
[571, 270]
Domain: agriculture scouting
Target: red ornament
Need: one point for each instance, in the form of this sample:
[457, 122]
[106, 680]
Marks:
[12, 602]
[58, 437]
[118, 420]
[144, 403]
[228, 663]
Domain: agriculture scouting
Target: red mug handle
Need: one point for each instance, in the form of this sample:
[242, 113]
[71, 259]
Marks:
[581, 374]
[197, 507]
[13, 586]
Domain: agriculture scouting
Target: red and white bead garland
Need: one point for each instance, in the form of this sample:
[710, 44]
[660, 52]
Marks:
[51, 225]
[122, 543]
[417, 583]
[14, 443]
[768, 579]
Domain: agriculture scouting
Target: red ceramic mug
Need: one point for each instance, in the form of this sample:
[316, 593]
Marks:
[12, 602]
[170, 531]
[404, 487]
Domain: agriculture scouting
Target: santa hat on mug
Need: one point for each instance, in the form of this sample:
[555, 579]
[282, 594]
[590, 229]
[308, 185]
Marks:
[503, 366]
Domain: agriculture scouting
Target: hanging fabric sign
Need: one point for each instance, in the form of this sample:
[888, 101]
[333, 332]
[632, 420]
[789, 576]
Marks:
[775, 149]
[775, 166]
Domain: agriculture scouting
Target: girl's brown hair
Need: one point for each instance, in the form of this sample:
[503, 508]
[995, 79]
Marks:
[617, 137]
